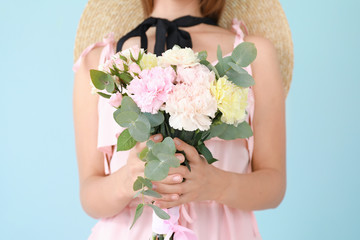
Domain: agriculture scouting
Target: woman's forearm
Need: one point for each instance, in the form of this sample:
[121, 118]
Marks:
[258, 190]
[105, 196]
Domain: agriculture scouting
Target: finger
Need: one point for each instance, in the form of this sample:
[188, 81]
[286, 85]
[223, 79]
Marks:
[165, 197]
[191, 153]
[168, 204]
[180, 156]
[179, 188]
[182, 170]
[156, 138]
[171, 179]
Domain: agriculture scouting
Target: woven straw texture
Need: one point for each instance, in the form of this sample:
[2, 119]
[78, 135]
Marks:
[262, 17]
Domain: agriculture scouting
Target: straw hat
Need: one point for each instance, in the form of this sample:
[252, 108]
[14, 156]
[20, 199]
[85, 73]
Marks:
[262, 17]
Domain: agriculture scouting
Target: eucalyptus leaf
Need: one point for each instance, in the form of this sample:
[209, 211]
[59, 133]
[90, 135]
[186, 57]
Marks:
[219, 54]
[237, 68]
[104, 95]
[169, 159]
[143, 153]
[202, 55]
[156, 170]
[100, 79]
[137, 185]
[151, 193]
[243, 130]
[244, 54]
[138, 212]
[146, 182]
[240, 79]
[127, 104]
[137, 194]
[126, 118]
[159, 212]
[125, 141]
[150, 144]
[126, 77]
[154, 119]
[140, 129]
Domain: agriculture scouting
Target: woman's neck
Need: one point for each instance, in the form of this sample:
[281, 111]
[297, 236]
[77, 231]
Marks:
[172, 9]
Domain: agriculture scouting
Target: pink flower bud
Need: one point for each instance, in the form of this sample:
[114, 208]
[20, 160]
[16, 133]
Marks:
[115, 100]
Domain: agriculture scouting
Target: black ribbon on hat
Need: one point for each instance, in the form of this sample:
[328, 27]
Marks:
[167, 32]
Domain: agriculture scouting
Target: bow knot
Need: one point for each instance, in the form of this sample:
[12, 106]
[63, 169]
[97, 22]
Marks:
[167, 33]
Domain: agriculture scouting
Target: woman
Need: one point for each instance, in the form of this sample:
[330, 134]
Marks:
[217, 199]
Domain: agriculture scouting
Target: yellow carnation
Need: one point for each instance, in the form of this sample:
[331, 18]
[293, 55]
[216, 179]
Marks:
[231, 99]
[148, 61]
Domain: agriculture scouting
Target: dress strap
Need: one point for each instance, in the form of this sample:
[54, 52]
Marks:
[237, 25]
[167, 32]
[108, 42]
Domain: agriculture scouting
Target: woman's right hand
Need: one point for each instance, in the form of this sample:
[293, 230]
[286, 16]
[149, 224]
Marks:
[134, 166]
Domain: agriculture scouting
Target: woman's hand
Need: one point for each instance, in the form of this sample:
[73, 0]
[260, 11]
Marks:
[134, 166]
[202, 183]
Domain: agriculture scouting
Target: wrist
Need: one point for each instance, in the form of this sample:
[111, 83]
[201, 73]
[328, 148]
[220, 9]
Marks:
[218, 183]
[123, 187]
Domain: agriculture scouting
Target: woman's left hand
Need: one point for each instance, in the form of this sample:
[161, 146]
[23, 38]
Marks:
[203, 182]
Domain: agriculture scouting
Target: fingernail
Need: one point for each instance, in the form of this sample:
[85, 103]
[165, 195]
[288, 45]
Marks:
[180, 157]
[177, 142]
[157, 137]
[177, 178]
[154, 186]
[175, 197]
[157, 204]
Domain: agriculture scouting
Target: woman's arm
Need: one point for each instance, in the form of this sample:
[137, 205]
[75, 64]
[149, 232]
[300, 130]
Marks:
[101, 195]
[264, 187]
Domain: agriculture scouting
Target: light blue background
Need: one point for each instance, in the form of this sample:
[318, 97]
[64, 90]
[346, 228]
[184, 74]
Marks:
[39, 196]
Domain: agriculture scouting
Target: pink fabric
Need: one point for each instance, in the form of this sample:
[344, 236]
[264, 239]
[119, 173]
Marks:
[208, 219]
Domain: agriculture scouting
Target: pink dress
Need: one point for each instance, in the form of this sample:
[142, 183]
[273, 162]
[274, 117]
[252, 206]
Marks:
[208, 219]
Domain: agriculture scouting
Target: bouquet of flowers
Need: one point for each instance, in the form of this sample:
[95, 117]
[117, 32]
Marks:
[179, 94]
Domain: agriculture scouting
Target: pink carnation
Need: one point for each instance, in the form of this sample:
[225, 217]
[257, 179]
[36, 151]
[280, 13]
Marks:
[151, 89]
[191, 104]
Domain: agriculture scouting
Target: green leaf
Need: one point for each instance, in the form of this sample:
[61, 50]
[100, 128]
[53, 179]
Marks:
[125, 141]
[244, 54]
[143, 153]
[127, 104]
[123, 58]
[204, 151]
[159, 212]
[240, 79]
[137, 194]
[146, 182]
[237, 68]
[104, 95]
[140, 129]
[150, 144]
[243, 130]
[169, 159]
[211, 161]
[156, 170]
[126, 77]
[137, 184]
[138, 212]
[126, 118]
[169, 143]
[216, 130]
[101, 79]
[154, 119]
[151, 193]
[202, 55]
[219, 53]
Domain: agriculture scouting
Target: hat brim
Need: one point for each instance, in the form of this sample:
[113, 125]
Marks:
[262, 17]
